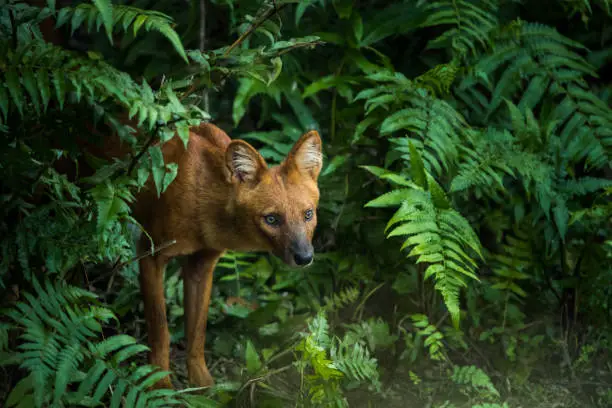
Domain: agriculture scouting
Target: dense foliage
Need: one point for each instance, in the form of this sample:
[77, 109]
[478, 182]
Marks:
[463, 249]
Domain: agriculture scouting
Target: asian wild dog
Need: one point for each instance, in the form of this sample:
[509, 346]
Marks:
[224, 197]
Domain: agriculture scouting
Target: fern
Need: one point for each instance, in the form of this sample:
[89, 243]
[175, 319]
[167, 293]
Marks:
[472, 22]
[426, 335]
[332, 360]
[485, 165]
[341, 299]
[375, 333]
[120, 17]
[585, 8]
[323, 384]
[437, 234]
[59, 347]
[513, 263]
[526, 161]
[475, 379]
[431, 124]
[550, 69]
[40, 73]
[355, 362]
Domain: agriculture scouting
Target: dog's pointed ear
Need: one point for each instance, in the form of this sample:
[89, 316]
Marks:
[306, 155]
[244, 162]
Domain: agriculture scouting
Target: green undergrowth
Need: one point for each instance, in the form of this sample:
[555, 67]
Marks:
[463, 240]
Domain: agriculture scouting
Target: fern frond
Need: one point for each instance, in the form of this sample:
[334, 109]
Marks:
[472, 22]
[341, 299]
[120, 17]
[513, 263]
[375, 332]
[436, 234]
[475, 378]
[431, 124]
[354, 360]
[59, 347]
[428, 335]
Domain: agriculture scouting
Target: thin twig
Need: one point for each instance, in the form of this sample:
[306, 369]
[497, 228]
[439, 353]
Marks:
[144, 255]
[266, 15]
[137, 158]
[195, 86]
[299, 45]
[265, 376]
[359, 308]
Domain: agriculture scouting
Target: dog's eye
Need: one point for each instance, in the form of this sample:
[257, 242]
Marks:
[308, 215]
[271, 219]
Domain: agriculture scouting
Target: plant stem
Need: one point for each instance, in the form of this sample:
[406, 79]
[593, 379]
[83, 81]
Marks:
[266, 15]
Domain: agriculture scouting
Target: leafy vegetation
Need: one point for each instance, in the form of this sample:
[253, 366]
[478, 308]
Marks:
[463, 247]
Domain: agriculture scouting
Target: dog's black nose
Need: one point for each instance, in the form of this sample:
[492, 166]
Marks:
[303, 258]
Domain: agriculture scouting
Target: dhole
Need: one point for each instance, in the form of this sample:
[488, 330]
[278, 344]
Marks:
[224, 197]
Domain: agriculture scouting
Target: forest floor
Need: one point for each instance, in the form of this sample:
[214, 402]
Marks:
[541, 376]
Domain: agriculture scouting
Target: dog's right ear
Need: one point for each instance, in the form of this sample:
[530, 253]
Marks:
[306, 156]
[244, 162]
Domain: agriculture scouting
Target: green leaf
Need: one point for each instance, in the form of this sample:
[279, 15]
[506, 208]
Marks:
[336, 163]
[417, 167]
[253, 362]
[140, 20]
[29, 83]
[174, 38]
[561, 215]
[327, 82]
[158, 169]
[4, 101]
[110, 204]
[277, 64]
[20, 391]
[59, 84]
[14, 87]
[246, 90]
[104, 384]
[68, 361]
[183, 131]
[357, 24]
[343, 8]
[438, 195]
[170, 175]
[390, 199]
[44, 87]
[106, 11]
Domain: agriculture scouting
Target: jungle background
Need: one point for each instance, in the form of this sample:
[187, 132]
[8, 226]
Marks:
[463, 244]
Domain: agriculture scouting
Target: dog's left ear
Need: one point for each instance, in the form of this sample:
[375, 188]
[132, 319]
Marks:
[244, 162]
[306, 156]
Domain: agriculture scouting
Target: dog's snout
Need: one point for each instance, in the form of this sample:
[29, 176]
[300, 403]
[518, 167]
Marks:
[302, 252]
[303, 258]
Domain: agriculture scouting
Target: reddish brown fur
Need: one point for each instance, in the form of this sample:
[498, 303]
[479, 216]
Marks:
[209, 208]
[212, 206]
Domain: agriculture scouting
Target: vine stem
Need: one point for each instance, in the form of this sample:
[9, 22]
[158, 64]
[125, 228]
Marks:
[254, 26]
[144, 149]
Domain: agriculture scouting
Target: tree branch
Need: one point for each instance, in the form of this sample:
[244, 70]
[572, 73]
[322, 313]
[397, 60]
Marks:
[266, 15]
[149, 143]
[142, 151]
